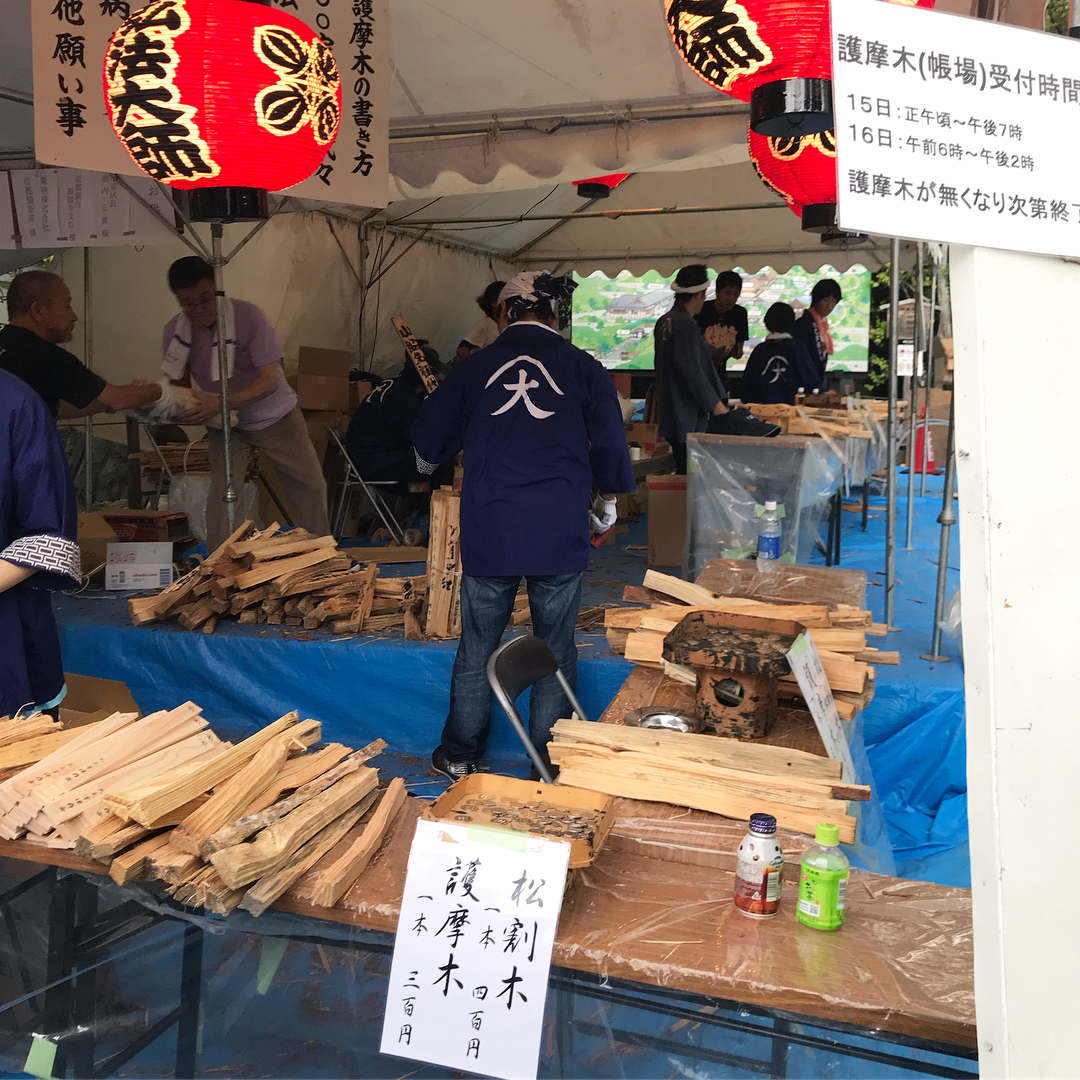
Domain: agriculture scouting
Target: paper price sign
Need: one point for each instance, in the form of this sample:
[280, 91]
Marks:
[955, 129]
[807, 668]
[468, 982]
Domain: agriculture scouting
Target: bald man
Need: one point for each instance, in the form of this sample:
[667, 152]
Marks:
[40, 318]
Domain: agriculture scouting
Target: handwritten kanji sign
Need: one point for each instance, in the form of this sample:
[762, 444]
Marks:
[469, 976]
[814, 685]
[954, 129]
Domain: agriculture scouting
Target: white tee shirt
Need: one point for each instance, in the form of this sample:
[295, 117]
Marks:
[483, 333]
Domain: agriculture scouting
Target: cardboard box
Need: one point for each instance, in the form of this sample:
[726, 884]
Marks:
[667, 520]
[139, 566]
[324, 393]
[147, 526]
[89, 699]
[629, 504]
[358, 390]
[95, 534]
[645, 435]
[334, 363]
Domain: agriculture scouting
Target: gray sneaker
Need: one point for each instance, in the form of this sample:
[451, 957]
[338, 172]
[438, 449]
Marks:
[453, 770]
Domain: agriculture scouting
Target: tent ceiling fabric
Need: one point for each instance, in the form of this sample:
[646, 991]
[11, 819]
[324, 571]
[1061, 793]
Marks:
[723, 239]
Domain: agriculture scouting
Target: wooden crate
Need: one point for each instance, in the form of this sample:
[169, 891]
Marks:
[582, 850]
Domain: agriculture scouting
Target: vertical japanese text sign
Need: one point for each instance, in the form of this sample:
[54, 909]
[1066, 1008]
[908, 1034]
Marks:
[814, 684]
[955, 129]
[71, 121]
[469, 976]
[356, 169]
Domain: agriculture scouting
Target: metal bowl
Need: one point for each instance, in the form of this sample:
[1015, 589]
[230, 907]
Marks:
[664, 718]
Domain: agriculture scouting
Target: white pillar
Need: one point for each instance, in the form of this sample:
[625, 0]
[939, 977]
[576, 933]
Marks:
[1018, 477]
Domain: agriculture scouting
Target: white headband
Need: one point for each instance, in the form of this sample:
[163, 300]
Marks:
[690, 288]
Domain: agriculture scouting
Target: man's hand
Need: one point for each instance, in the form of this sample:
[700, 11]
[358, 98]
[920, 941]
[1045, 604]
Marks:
[208, 405]
[604, 514]
[719, 409]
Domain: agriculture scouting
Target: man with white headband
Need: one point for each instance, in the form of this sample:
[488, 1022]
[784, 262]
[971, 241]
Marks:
[688, 386]
[539, 423]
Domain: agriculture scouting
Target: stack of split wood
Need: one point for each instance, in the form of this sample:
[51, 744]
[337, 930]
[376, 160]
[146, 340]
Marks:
[839, 632]
[846, 418]
[706, 772]
[293, 579]
[163, 799]
[178, 458]
[444, 566]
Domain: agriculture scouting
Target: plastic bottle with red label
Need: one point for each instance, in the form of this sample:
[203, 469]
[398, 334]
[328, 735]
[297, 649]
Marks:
[759, 868]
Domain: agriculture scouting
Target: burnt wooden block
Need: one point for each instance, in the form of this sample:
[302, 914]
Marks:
[737, 705]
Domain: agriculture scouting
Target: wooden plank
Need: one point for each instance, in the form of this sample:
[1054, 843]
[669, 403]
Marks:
[31, 751]
[265, 891]
[416, 353]
[643, 647]
[132, 865]
[877, 656]
[297, 772]
[388, 555]
[682, 590]
[279, 569]
[278, 546]
[330, 885]
[271, 849]
[33, 726]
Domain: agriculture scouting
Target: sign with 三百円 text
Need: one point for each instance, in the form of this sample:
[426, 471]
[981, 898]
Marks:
[955, 129]
[468, 982]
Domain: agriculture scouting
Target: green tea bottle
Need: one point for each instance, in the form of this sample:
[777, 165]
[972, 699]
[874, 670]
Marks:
[823, 881]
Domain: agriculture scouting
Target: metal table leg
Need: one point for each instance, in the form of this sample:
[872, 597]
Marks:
[58, 965]
[187, 1028]
[84, 988]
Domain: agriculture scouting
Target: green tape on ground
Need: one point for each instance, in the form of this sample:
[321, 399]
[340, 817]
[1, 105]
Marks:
[273, 951]
[512, 839]
[40, 1060]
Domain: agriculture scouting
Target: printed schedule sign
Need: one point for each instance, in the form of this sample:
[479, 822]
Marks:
[468, 982]
[955, 129]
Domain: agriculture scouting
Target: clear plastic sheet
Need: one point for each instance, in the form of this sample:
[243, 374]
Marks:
[730, 476]
[188, 493]
[832, 585]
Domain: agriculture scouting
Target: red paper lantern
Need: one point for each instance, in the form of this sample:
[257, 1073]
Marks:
[802, 170]
[599, 187]
[738, 45]
[222, 93]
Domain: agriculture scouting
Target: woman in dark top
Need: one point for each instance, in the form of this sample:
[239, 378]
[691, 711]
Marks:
[780, 366]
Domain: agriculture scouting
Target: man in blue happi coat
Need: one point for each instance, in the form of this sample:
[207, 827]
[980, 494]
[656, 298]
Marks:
[781, 366]
[539, 423]
[38, 549]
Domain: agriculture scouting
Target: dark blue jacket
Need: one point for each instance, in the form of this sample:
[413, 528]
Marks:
[775, 371]
[538, 420]
[379, 431]
[806, 331]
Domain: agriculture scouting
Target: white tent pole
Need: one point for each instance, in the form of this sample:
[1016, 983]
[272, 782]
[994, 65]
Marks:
[891, 433]
[218, 262]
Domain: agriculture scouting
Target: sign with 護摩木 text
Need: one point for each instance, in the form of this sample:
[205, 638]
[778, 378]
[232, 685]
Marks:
[955, 129]
[468, 982]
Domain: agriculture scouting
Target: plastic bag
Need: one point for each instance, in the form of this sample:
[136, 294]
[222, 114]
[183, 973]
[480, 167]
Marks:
[950, 618]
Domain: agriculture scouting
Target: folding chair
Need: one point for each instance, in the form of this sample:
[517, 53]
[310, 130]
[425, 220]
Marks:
[353, 480]
[512, 669]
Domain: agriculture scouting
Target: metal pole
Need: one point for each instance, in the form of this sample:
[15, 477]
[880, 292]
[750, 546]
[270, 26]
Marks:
[920, 342]
[88, 360]
[218, 262]
[947, 519]
[891, 431]
[929, 374]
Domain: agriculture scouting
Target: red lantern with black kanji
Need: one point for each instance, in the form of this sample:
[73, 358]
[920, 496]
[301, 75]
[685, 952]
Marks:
[222, 94]
[801, 169]
[599, 187]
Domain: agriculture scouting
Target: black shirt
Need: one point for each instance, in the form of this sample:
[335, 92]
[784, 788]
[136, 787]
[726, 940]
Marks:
[380, 432]
[53, 372]
[709, 316]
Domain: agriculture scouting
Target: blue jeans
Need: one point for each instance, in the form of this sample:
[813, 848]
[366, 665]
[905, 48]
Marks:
[486, 606]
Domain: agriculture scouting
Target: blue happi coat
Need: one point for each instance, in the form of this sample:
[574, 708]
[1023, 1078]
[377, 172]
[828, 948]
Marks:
[38, 524]
[539, 421]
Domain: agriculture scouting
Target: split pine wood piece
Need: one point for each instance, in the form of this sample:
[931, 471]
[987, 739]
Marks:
[278, 546]
[241, 601]
[332, 883]
[30, 751]
[444, 565]
[271, 849]
[239, 831]
[389, 555]
[112, 834]
[150, 801]
[169, 864]
[877, 656]
[265, 891]
[132, 865]
[194, 615]
[297, 772]
[367, 596]
[730, 753]
[231, 797]
[413, 630]
[394, 621]
[685, 591]
[645, 648]
[284, 567]
[838, 639]
[34, 726]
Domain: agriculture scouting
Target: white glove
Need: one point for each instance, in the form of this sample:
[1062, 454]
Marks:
[603, 515]
[173, 403]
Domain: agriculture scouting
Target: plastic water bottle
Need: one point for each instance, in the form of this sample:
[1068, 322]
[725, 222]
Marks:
[823, 879]
[768, 540]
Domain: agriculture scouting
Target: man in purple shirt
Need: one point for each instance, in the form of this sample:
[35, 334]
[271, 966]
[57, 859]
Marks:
[268, 418]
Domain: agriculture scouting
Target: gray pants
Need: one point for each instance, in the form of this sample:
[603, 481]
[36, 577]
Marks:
[287, 445]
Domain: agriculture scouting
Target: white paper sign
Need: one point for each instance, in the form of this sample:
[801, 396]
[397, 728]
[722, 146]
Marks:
[955, 129]
[468, 982]
[142, 565]
[356, 169]
[806, 665]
